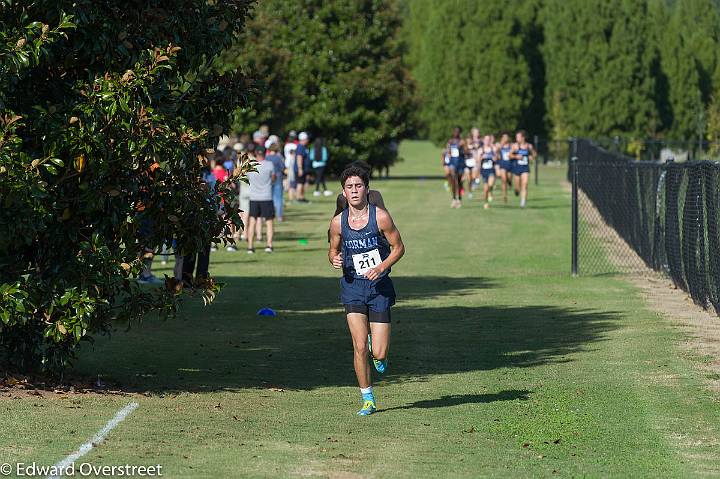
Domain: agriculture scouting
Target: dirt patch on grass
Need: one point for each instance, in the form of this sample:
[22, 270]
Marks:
[700, 328]
[15, 387]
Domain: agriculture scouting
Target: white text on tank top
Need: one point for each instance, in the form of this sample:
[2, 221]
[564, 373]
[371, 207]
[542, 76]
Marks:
[487, 159]
[505, 152]
[454, 149]
[365, 248]
[524, 153]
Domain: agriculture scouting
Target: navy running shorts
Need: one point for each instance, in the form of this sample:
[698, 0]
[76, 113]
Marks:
[458, 164]
[520, 169]
[372, 298]
[505, 165]
[486, 174]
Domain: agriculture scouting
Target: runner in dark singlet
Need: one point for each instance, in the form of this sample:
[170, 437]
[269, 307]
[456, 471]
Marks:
[524, 153]
[365, 244]
[455, 149]
[487, 169]
[505, 164]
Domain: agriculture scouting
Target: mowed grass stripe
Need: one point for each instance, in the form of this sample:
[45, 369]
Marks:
[501, 364]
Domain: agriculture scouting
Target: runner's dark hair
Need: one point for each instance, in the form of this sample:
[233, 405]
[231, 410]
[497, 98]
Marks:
[355, 171]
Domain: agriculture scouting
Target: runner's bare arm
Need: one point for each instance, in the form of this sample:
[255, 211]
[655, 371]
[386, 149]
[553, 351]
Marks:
[299, 163]
[397, 247]
[334, 252]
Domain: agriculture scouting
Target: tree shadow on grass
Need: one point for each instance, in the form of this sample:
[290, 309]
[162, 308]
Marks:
[227, 347]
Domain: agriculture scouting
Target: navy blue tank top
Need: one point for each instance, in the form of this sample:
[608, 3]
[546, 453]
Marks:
[524, 155]
[358, 246]
[488, 157]
[455, 150]
[505, 153]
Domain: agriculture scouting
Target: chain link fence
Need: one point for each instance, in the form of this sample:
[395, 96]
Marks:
[634, 216]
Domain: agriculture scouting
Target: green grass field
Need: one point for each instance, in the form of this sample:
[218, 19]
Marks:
[501, 364]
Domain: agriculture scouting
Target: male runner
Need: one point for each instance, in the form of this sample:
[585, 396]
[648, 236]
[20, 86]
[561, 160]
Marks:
[365, 243]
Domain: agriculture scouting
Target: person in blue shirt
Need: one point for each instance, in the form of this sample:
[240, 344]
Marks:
[318, 160]
[365, 244]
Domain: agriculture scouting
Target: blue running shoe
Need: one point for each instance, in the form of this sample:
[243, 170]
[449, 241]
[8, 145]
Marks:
[368, 408]
[380, 366]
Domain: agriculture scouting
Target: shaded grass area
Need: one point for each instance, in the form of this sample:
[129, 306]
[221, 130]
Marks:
[500, 364]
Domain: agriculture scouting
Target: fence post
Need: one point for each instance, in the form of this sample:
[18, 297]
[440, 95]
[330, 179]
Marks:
[537, 157]
[574, 175]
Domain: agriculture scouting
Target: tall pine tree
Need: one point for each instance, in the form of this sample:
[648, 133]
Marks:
[680, 100]
[599, 67]
[472, 69]
[332, 68]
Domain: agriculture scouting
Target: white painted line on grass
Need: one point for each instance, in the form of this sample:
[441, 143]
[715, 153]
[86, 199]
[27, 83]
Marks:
[96, 439]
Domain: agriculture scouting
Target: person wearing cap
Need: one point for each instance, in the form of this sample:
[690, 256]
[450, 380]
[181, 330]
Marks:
[261, 204]
[302, 165]
[289, 153]
[271, 139]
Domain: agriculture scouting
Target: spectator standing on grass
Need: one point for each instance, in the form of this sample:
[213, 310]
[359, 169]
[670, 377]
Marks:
[229, 159]
[145, 232]
[201, 259]
[289, 152]
[302, 166]
[261, 204]
[277, 186]
[244, 194]
[319, 157]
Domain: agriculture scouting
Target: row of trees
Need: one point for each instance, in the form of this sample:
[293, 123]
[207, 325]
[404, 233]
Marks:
[640, 68]
[331, 68]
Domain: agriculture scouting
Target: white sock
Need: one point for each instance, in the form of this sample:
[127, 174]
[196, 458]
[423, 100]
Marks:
[367, 390]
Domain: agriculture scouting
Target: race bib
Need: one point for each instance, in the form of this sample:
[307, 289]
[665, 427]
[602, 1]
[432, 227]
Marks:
[364, 262]
[487, 164]
[523, 160]
[454, 152]
[506, 155]
[470, 162]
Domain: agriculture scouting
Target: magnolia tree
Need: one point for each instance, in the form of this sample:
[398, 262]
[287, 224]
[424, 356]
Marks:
[106, 112]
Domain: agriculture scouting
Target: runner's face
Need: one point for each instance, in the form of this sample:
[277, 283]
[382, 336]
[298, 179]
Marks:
[355, 191]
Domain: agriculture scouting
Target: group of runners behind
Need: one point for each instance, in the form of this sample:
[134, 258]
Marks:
[467, 160]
